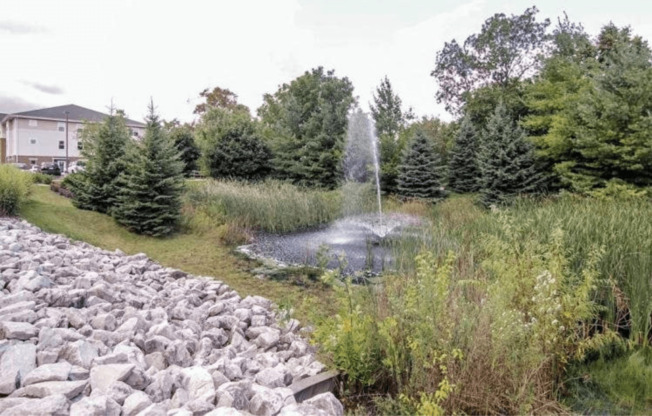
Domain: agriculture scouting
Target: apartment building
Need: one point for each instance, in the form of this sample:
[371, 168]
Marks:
[50, 134]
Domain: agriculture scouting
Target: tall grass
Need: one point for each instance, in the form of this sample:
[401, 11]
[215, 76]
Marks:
[15, 186]
[488, 308]
[271, 206]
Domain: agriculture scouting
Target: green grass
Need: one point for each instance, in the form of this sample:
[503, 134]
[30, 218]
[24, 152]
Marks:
[201, 254]
[621, 385]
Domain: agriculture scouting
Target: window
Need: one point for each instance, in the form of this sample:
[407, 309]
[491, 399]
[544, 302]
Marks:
[61, 144]
[62, 126]
[32, 140]
[80, 145]
[134, 133]
[33, 123]
[33, 161]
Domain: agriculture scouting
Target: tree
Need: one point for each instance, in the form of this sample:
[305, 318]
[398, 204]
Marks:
[305, 124]
[232, 145]
[218, 97]
[150, 198]
[420, 172]
[612, 137]
[390, 122]
[507, 50]
[553, 97]
[387, 112]
[590, 109]
[463, 169]
[184, 141]
[96, 187]
[506, 161]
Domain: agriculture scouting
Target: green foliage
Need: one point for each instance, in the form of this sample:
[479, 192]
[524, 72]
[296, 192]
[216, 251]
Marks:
[271, 205]
[232, 146]
[184, 140]
[463, 169]
[493, 337]
[305, 124]
[15, 187]
[218, 98]
[613, 133]
[589, 109]
[620, 385]
[390, 121]
[42, 178]
[420, 173]
[151, 184]
[104, 148]
[506, 50]
[506, 161]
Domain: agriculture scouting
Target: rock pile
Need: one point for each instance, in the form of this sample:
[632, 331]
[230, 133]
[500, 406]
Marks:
[89, 332]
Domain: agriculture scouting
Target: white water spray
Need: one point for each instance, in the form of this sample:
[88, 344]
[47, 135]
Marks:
[373, 139]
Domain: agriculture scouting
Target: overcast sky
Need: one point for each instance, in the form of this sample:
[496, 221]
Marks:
[86, 52]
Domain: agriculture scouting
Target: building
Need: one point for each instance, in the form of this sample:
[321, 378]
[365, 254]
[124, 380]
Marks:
[49, 134]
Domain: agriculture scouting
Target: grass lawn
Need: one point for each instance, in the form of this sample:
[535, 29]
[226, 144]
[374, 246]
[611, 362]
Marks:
[203, 255]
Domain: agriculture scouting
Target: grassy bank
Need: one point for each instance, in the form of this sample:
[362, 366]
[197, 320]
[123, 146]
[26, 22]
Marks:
[203, 254]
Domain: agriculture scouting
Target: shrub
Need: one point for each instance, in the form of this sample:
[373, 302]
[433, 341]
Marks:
[42, 178]
[15, 186]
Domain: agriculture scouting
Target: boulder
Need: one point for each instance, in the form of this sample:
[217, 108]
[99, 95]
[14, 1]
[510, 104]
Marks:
[17, 330]
[48, 372]
[95, 406]
[326, 402]
[16, 362]
[199, 383]
[57, 405]
[70, 389]
[102, 376]
[135, 403]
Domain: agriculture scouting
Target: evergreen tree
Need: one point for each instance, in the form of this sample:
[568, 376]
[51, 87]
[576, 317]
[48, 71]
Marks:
[420, 172]
[96, 187]
[463, 170]
[506, 161]
[151, 185]
[184, 141]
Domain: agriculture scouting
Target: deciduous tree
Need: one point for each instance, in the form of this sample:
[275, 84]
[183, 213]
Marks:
[305, 124]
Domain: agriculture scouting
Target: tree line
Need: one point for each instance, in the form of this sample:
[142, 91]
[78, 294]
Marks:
[536, 111]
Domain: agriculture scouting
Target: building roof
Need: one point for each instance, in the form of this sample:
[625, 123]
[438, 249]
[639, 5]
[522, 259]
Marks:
[75, 112]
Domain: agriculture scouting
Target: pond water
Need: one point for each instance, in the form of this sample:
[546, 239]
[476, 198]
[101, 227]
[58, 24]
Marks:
[363, 241]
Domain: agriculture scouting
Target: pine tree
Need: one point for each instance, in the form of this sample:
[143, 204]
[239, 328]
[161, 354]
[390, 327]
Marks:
[464, 173]
[420, 172]
[149, 201]
[506, 161]
[104, 147]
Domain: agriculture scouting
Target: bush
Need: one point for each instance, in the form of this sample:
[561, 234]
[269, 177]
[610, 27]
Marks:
[15, 186]
[38, 177]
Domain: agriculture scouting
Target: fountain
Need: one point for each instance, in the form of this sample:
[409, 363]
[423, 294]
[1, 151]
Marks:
[360, 234]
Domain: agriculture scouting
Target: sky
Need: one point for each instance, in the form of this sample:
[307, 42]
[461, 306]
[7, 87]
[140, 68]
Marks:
[93, 53]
